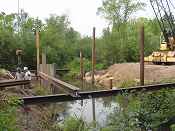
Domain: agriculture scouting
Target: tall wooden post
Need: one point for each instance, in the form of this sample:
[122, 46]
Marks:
[19, 54]
[37, 48]
[93, 110]
[43, 63]
[93, 73]
[141, 54]
[81, 64]
[93, 57]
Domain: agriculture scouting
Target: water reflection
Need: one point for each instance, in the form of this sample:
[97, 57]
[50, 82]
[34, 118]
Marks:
[135, 111]
[86, 111]
[89, 110]
[83, 85]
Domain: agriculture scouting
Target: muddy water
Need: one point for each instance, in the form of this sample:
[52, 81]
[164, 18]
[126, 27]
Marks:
[84, 108]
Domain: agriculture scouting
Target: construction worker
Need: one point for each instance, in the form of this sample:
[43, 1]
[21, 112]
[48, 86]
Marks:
[27, 75]
[19, 75]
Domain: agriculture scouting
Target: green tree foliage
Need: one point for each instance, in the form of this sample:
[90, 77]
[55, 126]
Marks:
[119, 11]
[62, 40]
[7, 37]
[61, 43]
[124, 43]
[121, 38]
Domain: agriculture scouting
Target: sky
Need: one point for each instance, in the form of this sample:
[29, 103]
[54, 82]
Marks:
[82, 13]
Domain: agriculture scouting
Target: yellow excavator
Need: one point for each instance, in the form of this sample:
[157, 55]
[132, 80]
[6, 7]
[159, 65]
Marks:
[166, 53]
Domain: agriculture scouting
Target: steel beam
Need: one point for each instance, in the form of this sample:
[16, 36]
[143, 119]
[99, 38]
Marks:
[8, 83]
[92, 94]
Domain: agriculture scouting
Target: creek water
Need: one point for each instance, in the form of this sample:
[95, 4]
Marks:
[84, 108]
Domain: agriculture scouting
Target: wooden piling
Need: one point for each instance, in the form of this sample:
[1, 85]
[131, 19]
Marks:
[141, 35]
[93, 57]
[111, 82]
[93, 73]
[38, 51]
[81, 65]
[93, 110]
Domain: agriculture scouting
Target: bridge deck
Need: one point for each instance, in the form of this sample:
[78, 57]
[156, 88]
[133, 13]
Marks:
[59, 83]
[8, 83]
[93, 94]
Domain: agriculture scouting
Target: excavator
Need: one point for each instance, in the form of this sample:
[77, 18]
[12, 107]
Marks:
[163, 10]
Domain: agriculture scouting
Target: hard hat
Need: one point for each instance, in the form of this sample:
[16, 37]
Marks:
[25, 68]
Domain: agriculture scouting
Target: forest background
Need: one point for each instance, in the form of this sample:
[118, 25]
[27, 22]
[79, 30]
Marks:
[62, 43]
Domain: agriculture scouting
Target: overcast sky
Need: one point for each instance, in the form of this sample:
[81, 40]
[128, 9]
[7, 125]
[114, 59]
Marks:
[82, 13]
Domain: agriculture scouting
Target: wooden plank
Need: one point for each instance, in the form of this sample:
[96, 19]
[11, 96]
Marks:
[8, 83]
[59, 82]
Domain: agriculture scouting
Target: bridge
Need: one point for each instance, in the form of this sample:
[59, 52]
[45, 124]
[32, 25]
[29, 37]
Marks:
[73, 93]
[92, 94]
[9, 83]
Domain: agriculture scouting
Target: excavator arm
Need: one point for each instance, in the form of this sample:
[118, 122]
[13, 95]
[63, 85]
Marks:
[164, 12]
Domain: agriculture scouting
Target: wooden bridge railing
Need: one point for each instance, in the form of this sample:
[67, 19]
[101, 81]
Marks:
[9, 83]
[58, 83]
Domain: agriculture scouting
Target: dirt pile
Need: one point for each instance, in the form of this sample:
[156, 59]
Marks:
[130, 72]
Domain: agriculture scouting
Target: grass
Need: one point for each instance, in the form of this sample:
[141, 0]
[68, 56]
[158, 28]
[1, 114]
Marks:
[128, 83]
[39, 90]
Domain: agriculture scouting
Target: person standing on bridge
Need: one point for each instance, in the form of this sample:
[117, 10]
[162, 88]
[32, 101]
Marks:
[19, 75]
[27, 75]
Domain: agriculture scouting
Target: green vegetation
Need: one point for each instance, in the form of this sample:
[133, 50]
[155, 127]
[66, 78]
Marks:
[3, 72]
[61, 43]
[128, 83]
[8, 108]
[41, 90]
[73, 124]
[146, 111]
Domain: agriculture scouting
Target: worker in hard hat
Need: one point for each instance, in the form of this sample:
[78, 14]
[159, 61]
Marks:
[27, 75]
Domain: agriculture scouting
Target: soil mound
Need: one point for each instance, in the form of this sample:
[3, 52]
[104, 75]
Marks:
[130, 72]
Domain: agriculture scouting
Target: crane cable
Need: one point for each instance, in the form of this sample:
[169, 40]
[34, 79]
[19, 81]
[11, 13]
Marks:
[160, 14]
[172, 4]
[161, 26]
[171, 17]
[170, 26]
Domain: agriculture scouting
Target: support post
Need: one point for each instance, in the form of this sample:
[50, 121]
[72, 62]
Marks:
[93, 56]
[43, 63]
[93, 73]
[141, 55]
[43, 58]
[111, 82]
[19, 54]
[37, 48]
[19, 60]
[81, 65]
[93, 110]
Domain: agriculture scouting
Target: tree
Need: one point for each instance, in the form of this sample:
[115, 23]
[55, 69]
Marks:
[7, 38]
[59, 46]
[119, 11]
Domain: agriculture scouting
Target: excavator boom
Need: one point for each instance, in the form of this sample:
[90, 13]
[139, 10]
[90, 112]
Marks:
[164, 11]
